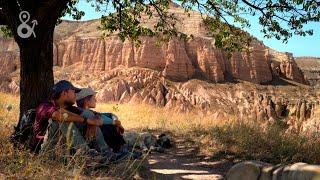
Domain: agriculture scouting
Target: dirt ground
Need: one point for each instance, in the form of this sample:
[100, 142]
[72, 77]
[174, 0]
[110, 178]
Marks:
[182, 162]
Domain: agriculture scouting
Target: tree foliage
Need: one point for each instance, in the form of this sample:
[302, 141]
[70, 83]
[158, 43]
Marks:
[224, 18]
[70, 10]
[279, 19]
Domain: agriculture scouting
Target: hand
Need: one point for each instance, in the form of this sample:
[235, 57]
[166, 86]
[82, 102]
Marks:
[96, 121]
[114, 117]
[117, 122]
[120, 129]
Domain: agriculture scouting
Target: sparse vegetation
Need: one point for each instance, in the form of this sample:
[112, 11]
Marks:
[217, 138]
[248, 141]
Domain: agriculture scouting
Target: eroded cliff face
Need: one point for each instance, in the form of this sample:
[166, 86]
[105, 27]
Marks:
[311, 69]
[284, 65]
[178, 60]
[9, 63]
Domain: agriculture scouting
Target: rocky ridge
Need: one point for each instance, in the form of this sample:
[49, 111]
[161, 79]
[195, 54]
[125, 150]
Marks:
[311, 69]
[178, 60]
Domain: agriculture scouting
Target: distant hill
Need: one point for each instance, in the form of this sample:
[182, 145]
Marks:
[311, 68]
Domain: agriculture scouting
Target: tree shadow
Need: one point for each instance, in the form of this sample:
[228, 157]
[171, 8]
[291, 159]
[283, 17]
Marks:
[183, 162]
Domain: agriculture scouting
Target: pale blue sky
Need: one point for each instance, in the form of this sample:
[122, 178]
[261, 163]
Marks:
[299, 46]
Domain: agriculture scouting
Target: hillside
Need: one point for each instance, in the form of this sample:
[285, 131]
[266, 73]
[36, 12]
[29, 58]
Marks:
[311, 68]
[177, 60]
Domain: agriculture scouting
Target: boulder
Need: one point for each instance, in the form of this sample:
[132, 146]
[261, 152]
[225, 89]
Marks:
[248, 170]
[255, 170]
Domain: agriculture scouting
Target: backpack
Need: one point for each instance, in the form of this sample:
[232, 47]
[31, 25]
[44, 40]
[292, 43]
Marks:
[23, 135]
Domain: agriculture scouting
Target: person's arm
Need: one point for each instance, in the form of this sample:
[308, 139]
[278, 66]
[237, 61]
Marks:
[106, 119]
[64, 115]
[110, 118]
[59, 115]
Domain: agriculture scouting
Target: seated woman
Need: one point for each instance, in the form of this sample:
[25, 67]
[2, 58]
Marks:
[112, 129]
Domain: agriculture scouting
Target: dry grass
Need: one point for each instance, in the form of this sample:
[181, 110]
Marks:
[15, 163]
[248, 141]
[8, 118]
[220, 138]
[215, 137]
[145, 117]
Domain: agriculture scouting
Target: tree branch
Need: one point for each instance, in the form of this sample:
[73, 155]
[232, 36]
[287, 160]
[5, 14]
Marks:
[9, 13]
[3, 19]
[254, 6]
[55, 7]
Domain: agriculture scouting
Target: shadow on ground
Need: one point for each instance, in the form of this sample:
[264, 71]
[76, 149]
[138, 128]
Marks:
[183, 162]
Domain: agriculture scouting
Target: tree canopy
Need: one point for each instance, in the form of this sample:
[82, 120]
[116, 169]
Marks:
[278, 19]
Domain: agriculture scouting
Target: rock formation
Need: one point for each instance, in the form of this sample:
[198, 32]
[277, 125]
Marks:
[255, 170]
[179, 60]
[311, 68]
[283, 64]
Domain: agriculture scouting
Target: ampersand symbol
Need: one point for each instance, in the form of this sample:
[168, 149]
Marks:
[24, 17]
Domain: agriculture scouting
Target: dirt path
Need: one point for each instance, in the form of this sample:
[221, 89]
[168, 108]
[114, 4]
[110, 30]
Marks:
[182, 162]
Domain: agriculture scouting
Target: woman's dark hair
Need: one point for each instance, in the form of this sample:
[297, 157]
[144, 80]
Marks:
[80, 103]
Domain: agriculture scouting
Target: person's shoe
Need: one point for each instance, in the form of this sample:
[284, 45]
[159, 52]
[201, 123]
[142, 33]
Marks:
[124, 148]
[95, 159]
[122, 156]
[112, 157]
[92, 153]
[135, 154]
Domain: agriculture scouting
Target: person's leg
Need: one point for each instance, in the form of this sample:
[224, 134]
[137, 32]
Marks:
[102, 145]
[112, 137]
[99, 144]
[74, 138]
[51, 137]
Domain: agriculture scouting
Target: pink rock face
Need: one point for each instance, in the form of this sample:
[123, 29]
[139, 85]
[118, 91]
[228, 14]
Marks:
[253, 66]
[9, 62]
[9, 56]
[208, 62]
[106, 54]
[178, 60]
[291, 71]
[285, 66]
[311, 68]
[81, 44]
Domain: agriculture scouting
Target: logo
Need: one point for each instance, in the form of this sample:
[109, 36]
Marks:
[24, 17]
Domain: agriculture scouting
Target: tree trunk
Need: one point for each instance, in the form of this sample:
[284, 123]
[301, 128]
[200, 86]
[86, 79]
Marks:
[36, 73]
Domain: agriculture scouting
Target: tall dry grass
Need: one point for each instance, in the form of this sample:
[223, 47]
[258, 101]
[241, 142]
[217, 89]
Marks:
[18, 163]
[219, 138]
[246, 140]
[142, 117]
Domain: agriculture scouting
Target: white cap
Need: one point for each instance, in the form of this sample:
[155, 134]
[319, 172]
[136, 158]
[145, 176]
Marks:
[85, 92]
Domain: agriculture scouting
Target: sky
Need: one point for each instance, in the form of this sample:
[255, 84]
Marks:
[298, 45]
